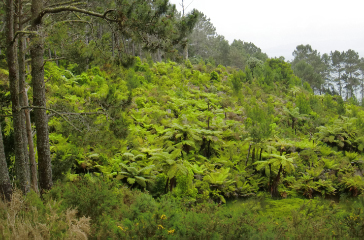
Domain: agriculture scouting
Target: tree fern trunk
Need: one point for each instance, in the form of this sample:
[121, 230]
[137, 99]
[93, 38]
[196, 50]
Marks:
[274, 189]
[247, 157]
[260, 157]
[253, 155]
[270, 175]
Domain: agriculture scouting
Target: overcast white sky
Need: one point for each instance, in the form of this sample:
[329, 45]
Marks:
[278, 26]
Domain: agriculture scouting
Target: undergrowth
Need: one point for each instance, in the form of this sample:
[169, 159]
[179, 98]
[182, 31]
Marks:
[106, 210]
[28, 217]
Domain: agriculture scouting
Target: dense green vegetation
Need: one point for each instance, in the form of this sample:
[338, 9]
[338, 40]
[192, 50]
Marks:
[149, 126]
[154, 126]
[202, 134]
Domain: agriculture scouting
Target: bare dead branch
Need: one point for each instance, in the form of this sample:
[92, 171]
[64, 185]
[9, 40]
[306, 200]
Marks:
[52, 110]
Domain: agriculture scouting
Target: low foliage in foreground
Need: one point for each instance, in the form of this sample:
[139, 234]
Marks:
[117, 212]
[28, 217]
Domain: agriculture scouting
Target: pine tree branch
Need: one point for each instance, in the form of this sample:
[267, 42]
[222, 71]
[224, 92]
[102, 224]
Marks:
[23, 32]
[75, 9]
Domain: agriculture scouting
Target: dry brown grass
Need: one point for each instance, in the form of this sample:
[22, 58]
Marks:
[21, 220]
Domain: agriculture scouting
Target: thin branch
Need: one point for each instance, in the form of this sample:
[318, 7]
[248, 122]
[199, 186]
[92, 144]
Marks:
[48, 109]
[54, 59]
[76, 21]
[23, 32]
[47, 60]
[80, 114]
[76, 15]
[66, 3]
[26, 20]
[75, 9]
[189, 4]
[85, 113]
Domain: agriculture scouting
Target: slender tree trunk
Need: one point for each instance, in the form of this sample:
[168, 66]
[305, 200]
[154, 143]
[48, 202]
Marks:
[113, 43]
[55, 56]
[185, 51]
[21, 68]
[33, 163]
[362, 90]
[340, 87]
[39, 99]
[22, 167]
[27, 129]
[5, 185]
[247, 157]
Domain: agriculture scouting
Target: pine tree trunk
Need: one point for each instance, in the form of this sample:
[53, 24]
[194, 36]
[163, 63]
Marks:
[5, 185]
[27, 129]
[32, 162]
[39, 99]
[340, 87]
[185, 51]
[21, 62]
[22, 167]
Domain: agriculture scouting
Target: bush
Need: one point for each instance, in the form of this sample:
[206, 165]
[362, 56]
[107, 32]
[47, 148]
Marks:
[99, 200]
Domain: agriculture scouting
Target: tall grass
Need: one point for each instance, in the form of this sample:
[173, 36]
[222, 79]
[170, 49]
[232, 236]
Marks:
[27, 217]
